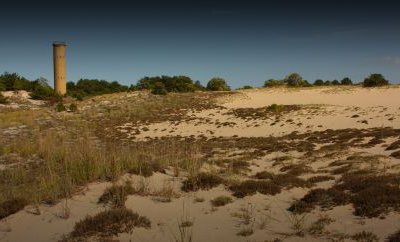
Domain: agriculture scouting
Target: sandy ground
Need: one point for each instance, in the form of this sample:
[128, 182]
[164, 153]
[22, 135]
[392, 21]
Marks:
[269, 218]
[324, 108]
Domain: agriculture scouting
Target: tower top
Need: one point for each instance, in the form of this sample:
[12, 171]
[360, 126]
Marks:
[59, 43]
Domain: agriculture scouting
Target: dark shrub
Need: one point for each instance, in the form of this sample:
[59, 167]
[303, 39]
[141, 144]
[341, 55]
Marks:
[221, 201]
[319, 82]
[335, 82]
[171, 84]
[116, 195]
[326, 198]
[346, 81]
[159, 89]
[14, 82]
[394, 237]
[201, 181]
[217, 84]
[109, 223]
[273, 83]
[11, 206]
[60, 107]
[375, 80]
[250, 187]
[73, 107]
[295, 80]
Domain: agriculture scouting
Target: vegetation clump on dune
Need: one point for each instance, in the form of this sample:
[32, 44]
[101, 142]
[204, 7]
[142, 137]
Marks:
[201, 181]
[12, 206]
[107, 224]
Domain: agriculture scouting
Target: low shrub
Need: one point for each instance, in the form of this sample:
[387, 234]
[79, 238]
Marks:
[201, 181]
[3, 99]
[11, 206]
[116, 195]
[60, 107]
[221, 201]
[109, 223]
[250, 187]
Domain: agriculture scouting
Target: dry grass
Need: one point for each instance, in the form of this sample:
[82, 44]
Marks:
[221, 201]
[116, 195]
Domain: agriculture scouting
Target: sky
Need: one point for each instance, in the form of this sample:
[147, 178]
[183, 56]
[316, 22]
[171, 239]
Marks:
[244, 42]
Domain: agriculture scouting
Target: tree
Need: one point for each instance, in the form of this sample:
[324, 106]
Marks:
[375, 80]
[294, 80]
[42, 91]
[159, 89]
[318, 82]
[217, 84]
[335, 82]
[273, 83]
[346, 81]
[13, 82]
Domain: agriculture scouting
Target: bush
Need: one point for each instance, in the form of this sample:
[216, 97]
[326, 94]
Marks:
[319, 82]
[295, 80]
[273, 83]
[159, 89]
[171, 84]
[11, 206]
[14, 82]
[109, 223]
[217, 84]
[346, 81]
[92, 87]
[42, 91]
[245, 87]
[73, 107]
[221, 201]
[60, 107]
[201, 181]
[335, 82]
[375, 80]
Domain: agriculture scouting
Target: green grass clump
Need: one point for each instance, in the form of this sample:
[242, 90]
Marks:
[108, 223]
[12, 206]
[221, 201]
[201, 181]
[116, 195]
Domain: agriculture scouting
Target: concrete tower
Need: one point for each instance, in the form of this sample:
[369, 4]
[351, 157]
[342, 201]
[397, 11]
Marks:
[60, 78]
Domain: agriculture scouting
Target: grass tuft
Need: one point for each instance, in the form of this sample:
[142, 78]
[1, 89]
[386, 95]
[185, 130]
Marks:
[201, 181]
[221, 201]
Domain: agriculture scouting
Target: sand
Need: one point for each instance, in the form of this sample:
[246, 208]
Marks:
[380, 107]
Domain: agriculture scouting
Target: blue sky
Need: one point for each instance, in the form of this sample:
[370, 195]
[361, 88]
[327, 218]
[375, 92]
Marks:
[244, 42]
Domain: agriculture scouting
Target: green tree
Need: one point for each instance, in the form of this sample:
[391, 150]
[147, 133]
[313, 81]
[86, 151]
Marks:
[335, 82]
[346, 81]
[217, 84]
[294, 80]
[318, 82]
[159, 89]
[375, 80]
[273, 83]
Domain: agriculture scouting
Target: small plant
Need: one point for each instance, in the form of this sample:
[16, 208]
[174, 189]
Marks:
[317, 179]
[318, 226]
[325, 198]
[199, 199]
[221, 201]
[250, 187]
[185, 227]
[365, 237]
[73, 107]
[117, 195]
[12, 206]
[60, 107]
[298, 223]
[201, 181]
[108, 223]
[245, 232]
[394, 237]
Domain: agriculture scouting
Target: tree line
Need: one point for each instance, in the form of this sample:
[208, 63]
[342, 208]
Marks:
[161, 85]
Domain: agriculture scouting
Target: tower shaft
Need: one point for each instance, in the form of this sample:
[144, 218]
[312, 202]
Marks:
[60, 78]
